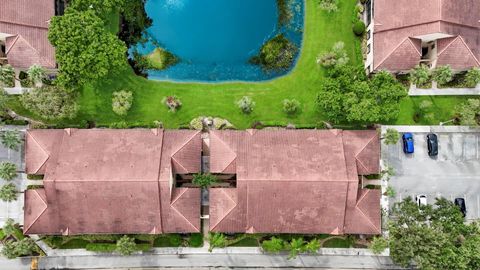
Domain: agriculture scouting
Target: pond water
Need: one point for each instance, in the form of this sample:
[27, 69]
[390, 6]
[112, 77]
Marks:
[214, 39]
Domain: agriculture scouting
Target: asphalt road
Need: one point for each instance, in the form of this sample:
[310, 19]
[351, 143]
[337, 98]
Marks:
[215, 260]
[454, 173]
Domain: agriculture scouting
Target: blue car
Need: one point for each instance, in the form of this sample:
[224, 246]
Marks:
[408, 143]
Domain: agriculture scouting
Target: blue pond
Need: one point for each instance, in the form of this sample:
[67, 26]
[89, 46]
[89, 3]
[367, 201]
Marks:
[214, 39]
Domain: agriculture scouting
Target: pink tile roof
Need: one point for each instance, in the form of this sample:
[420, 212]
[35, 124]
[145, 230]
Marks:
[26, 21]
[111, 181]
[397, 22]
[295, 181]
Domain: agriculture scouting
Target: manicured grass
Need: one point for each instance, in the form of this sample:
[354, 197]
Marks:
[101, 247]
[168, 240]
[75, 243]
[246, 242]
[337, 243]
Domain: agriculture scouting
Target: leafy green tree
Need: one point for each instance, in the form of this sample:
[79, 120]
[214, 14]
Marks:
[274, 245]
[11, 139]
[276, 54]
[7, 76]
[217, 240]
[348, 96]
[420, 75]
[122, 102]
[291, 106]
[472, 78]
[433, 237]
[296, 246]
[442, 74]
[50, 102]
[204, 180]
[126, 245]
[85, 50]
[101, 7]
[391, 136]
[9, 249]
[390, 192]
[246, 104]
[8, 193]
[9, 227]
[8, 170]
[469, 112]
[25, 247]
[36, 74]
[313, 246]
[378, 244]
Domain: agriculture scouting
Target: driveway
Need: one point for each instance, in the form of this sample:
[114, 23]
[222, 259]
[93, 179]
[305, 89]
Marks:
[454, 173]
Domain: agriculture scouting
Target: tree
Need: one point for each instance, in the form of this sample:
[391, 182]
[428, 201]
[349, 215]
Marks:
[8, 193]
[36, 74]
[11, 139]
[126, 245]
[296, 246]
[50, 102]
[276, 54]
[442, 74]
[9, 227]
[313, 246]
[9, 250]
[101, 7]
[122, 102]
[290, 106]
[217, 240]
[7, 76]
[472, 78]
[378, 244]
[391, 136]
[337, 57]
[433, 237]
[348, 96]
[204, 180]
[469, 112]
[25, 247]
[84, 49]
[246, 104]
[390, 192]
[420, 75]
[8, 170]
[274, 245]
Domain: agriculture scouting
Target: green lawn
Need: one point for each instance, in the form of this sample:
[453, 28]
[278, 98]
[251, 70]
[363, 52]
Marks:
[321, 31]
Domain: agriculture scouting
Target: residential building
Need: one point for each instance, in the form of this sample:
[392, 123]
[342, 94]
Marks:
[404, 33]
[24, 32]
[294, 181]
[112, 181]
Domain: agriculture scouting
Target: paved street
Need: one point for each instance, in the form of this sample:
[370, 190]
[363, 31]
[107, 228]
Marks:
[453, 174]
[215, 260]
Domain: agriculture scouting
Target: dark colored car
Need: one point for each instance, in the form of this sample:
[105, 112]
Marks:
[460, 203]
[432, 144]
[408, 147]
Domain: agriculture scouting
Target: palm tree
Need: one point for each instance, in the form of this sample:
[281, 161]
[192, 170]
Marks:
[8, 193]
[126, 245]
[296, 246]
[11, 140]
[8, 171]
[313, 246]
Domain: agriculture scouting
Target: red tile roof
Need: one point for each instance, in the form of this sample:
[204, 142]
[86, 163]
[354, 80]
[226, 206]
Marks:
[397, 23]
[25, 22]
[295, 181]
[111, 181]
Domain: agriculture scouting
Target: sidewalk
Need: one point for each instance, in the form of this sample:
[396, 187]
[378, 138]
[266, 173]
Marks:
[414, 91]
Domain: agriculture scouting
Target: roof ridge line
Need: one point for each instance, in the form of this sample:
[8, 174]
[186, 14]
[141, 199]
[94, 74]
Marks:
[229, 211]
[41, 213]
[185, 143]
[394, 49]
[44, 151]
[366, 217]
[229, 148]
[25, 24]
[408, 26]
[466, 46]
[173, 207]
[454, 38]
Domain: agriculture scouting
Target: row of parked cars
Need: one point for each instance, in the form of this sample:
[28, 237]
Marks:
[409, 144]
[421, 200]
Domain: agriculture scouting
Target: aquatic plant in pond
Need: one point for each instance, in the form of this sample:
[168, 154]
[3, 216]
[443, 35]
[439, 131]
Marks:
[214, 40]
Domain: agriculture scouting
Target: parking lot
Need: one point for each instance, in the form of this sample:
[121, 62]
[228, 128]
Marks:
[454, 173]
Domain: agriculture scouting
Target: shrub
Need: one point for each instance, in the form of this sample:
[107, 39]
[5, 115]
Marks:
[195, 240]
[50, 102]
[126, 245]
[291, 106]
[420, 75]
[8, 171]
[36, 74]
[217, 240]
[8, 193]
[160, 59]
[359, 28]
[378, 244]
[329, 5]
[9, 227]
[119, 125]
[246, 104]
[442, 74]
[274, 245]
[313, 246]
[390, 192]
[197, 123]
[472, 79]
[469, 112]
[7, 76]
[11, 139]
[204, 180]
[337, 57]
[391, 136]
[295, 246]
[276, 54]
[173, 103]
[101, 247]
[122, 102]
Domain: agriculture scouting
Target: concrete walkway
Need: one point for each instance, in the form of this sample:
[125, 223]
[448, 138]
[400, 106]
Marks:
[414, 91]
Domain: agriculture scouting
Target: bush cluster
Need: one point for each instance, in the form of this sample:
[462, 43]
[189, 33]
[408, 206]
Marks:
[122, 102]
